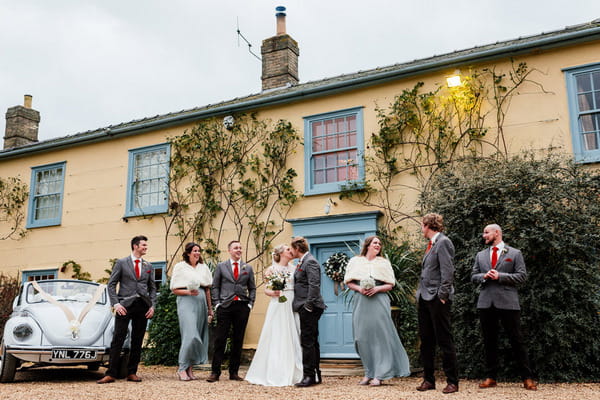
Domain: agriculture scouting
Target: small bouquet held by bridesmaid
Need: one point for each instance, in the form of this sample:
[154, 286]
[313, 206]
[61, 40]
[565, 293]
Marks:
[367, 283]
[276, 281]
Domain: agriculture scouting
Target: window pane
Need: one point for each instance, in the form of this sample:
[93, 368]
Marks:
[319, 177]
[317, 129]
[351, 123]
[331, 175]
[583, 83]
[317, 144]
[587, 123]
[329, 127]
[319, 162]
[589, 139]
[331, 160]
[585, 101]
[596, 80]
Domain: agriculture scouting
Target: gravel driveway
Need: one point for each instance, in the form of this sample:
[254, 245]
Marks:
[160, 383]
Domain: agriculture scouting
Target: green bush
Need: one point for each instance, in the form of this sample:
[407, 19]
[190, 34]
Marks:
[164, 340]
[549, 209]
[9, 288]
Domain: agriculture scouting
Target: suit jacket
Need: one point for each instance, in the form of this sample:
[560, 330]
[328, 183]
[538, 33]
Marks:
[307, 285]
[225, 287]
[501, 293]
[131, 288]
[437, 273]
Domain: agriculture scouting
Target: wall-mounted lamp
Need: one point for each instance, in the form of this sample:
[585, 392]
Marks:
[454, 79]
[328, 204]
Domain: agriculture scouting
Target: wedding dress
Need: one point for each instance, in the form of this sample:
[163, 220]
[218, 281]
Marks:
[278, 357]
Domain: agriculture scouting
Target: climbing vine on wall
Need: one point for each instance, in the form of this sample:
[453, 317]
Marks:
[236, 179]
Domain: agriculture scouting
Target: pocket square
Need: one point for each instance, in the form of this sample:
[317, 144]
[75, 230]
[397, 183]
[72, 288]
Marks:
[508, 260]
[244, 273]
[148, 271]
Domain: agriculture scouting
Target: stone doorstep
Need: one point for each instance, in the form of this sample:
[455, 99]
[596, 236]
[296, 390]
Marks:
[329, 367]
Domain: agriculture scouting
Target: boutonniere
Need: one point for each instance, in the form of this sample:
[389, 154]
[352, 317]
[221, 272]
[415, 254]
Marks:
[244, 267]
[504, 251]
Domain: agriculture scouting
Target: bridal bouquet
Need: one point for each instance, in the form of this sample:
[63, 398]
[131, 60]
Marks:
[276, 281]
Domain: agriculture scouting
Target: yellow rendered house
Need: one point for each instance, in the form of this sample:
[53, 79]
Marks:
[91, 192]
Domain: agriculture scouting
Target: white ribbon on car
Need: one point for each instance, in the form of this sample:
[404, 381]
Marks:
[74, 322]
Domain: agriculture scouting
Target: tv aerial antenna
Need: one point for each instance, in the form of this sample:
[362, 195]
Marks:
[239, 33]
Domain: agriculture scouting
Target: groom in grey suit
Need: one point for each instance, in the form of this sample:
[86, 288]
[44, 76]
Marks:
[134, 302]
[434, 296]
[233, 293]
[309, 305]
[499, 269]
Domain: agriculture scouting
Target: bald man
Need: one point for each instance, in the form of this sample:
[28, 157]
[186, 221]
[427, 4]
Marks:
[499, 269]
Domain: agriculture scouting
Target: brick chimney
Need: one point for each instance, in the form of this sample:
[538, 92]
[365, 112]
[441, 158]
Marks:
[279, 57]
[22, 124]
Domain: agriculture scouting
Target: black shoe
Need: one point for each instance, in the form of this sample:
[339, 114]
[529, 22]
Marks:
[318, 380]
[306, 382]
[235, 377]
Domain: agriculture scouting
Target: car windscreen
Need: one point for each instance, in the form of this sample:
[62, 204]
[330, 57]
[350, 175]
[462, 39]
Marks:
[62, 290]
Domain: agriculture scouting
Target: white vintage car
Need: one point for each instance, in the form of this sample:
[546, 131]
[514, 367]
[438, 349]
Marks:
[58, 322]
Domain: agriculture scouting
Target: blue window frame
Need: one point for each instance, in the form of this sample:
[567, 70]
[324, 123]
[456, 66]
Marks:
[38, 275]
[46, 195]
[148, 180]
[583, 89]
[333, 145]
[159, 272]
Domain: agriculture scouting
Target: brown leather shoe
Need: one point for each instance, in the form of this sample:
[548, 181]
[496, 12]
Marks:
[106, 379]
[450, 388]
[133, 378]
[212, 378]
[529, 384]
[425, 385]
[235, 377]
[488, 383]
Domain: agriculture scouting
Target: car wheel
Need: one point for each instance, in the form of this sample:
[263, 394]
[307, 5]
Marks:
[93, 366]
[8, 365]
[122, 367]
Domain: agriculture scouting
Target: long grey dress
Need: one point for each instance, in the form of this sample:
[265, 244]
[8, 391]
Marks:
[193, 326]
[376, 339]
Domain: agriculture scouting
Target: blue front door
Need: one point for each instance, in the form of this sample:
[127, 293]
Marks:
[335, 326]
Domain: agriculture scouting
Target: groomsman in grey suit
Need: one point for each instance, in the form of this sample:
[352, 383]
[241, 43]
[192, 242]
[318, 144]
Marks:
[309, 305]
[499, 269]
[134, 302]
[233, 293]
[434, 295]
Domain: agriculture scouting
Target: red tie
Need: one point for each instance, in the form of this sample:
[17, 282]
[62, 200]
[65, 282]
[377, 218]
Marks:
[236, 274]
[428, 247]
[494, 257]
[137, 269]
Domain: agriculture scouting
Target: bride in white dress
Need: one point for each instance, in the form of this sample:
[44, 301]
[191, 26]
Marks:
[278, 357]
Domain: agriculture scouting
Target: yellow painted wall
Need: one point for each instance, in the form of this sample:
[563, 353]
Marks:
[92, 229]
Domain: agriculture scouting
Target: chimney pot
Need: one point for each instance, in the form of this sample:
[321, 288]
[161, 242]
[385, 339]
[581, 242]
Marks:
[280, 20]
[27, 101]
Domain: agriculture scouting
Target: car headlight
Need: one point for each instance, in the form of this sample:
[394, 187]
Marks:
[22, 331]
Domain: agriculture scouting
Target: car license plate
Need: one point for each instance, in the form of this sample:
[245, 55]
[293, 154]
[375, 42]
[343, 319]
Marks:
[70, 354]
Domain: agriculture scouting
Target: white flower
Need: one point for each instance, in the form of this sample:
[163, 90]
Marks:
[74, 328]
[367, 283]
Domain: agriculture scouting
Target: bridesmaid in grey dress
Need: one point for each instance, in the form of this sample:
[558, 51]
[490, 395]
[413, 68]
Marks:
[190, 282]
[375, 336]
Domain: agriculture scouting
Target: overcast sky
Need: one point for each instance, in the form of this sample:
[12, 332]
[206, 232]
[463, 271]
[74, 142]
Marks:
[89, 64]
